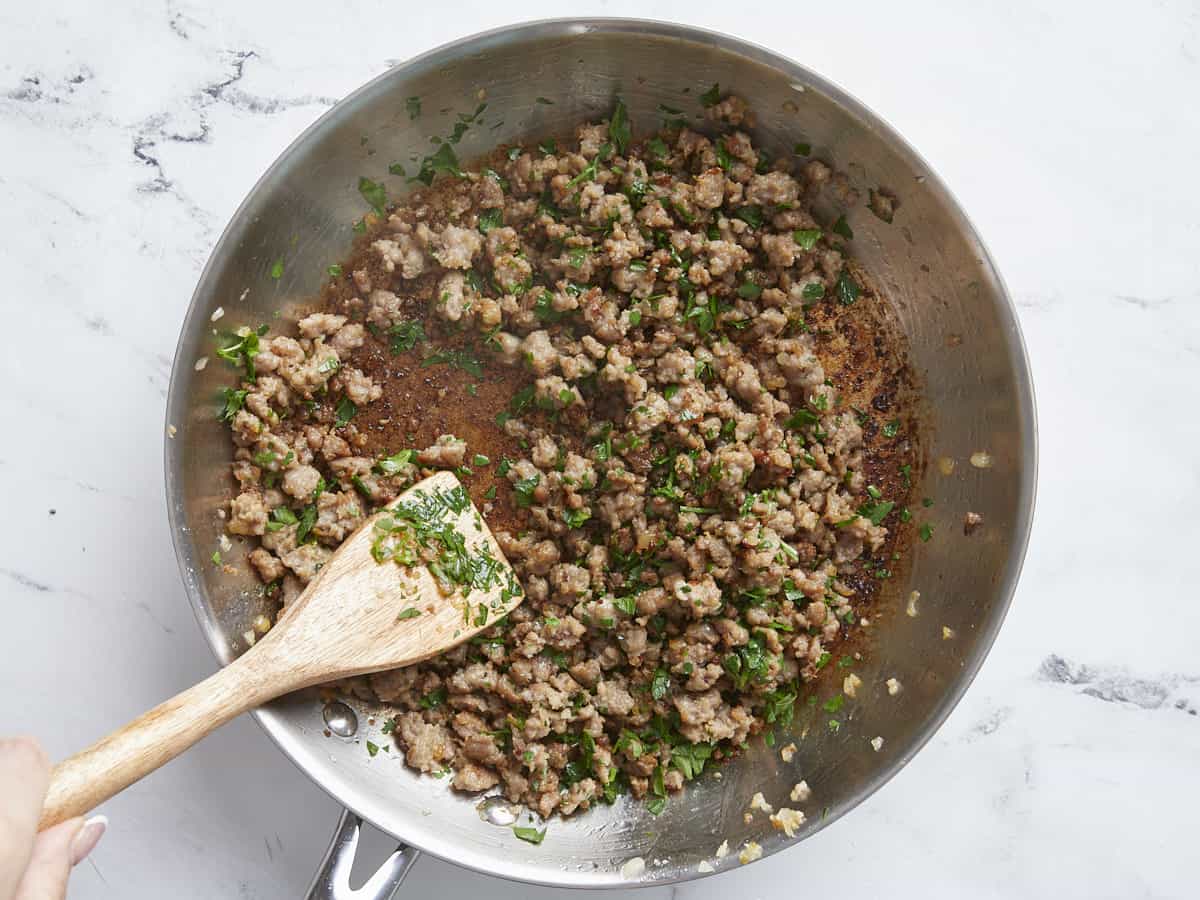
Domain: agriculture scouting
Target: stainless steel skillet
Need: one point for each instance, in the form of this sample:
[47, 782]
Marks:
[965, 345]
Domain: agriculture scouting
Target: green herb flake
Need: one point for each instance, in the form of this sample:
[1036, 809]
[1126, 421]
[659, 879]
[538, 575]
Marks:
[807, 238]
[802, 148]
[394, 464]
[711, 97]
[748, 290]
[397, 169]
[891, 429]
[926, 532]
[618, 128]
[529, 835]
[752, 215]
[842, 227]
[232, 401]
[814, 290]
[374, 193]
[335, 271]
[847, 289]
[372, 749]
[524, 490]
[410, 612]
[413, 105]
[660, 684]
[876, 512]
[277, 269]
[347, 409]
[493, 218]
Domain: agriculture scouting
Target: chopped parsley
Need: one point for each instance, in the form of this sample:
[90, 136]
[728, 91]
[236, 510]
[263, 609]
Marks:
[410, 612]
[524, 490]
[461, 358]
[814, 290]
[689, 759]
[347, 409]
[618, 128]
[660, 684]
[374, 193]
[748, 290]
[232, 401]
[847, 289]
[493, 218]
[807, 238]
[876, 512]
[403, 336]
[751, 214]
[442, 162]
[394, 464]
[626, 604]
[576, 517]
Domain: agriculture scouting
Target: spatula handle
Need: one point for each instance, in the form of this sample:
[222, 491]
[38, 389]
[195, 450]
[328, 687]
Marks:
[87, 779]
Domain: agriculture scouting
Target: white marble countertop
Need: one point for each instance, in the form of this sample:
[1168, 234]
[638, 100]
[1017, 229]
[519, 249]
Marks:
[128, 134]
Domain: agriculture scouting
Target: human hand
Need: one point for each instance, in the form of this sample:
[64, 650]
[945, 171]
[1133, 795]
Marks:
[36, 866]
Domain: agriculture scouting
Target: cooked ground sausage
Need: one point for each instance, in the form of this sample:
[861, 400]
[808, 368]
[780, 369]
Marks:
[691, 502]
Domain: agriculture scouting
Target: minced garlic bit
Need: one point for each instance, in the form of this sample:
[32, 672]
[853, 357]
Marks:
[249, 637]
[723, 850]
[981, 459]
[747, 818]
[243, 295]
[633, 867]
[945, 465]
[225, 543]
[217, 313]
[172, 431]
[850, 685]
[800, 792]
[200, 364]
[788, 821]
[877, 743]
[759, 802]
[788, 753]
[750, 852]
[947, 633]
[894, 687]
[705, 867]
[911, 609]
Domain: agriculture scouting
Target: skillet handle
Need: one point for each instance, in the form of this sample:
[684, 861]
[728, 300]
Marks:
[332, 881]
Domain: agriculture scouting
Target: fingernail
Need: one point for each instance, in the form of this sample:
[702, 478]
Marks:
[87, 838]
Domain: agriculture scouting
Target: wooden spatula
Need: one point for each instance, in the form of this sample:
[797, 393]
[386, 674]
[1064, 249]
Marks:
[359, 614]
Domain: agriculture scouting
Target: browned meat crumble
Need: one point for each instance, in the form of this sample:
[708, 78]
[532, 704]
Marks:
[661, 381]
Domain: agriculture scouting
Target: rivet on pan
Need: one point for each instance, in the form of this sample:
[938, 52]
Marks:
[340, 718]
[497, 811]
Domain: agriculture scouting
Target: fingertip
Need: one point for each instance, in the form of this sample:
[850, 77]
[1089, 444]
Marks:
[24, 746]
[87, 838]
